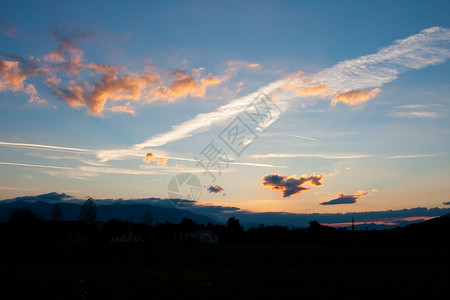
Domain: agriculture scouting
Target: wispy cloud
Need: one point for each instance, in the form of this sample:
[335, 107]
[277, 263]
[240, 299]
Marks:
[7, 28]
[411, 156]
[123, 109]
[35, 166]
[303, 137]
[107, 170]
[256, 165]
[415, 114]
[324, 156]
[46, 147]
[428, 47]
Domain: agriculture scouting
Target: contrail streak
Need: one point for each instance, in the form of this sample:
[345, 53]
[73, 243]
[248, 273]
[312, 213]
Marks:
[303, 137]
[429, 47]
[45, 147]
[35, 166]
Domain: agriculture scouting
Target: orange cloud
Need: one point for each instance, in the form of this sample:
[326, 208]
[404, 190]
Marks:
[355, 97]
[113, 86]
[67, 57]
[149, 157]
[311, 91]
[12, 77]
[184, 85]
[14, 73]
[161, 161]
[107, 83]
[72, 95]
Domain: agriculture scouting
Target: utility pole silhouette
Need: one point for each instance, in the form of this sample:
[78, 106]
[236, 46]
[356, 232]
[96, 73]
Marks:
[353, 224]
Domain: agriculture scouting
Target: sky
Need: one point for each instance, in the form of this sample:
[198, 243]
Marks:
[269, 106]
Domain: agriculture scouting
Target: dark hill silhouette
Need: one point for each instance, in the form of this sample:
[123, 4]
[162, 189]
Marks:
[435, 225]
[128, 212]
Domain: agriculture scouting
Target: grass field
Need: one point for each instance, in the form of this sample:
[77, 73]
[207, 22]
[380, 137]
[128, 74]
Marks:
[169, 270]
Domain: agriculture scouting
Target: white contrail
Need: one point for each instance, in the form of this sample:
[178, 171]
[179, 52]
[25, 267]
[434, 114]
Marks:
[324, 156]
[45, 147]
[411, 156]
[429, 47]
[35, 166]
[303, 137]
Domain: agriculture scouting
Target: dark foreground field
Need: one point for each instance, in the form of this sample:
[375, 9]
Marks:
[167, 270]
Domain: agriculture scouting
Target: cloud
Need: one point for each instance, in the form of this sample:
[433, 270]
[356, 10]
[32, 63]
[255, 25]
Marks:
[47, 147]
[410, 156]
[290, 185]
[6, 28]
[67, 56]
[352, 81]
[323, 156]
[346, 199]
[446, 203]
[183, 85]
[149, 157]
[53, 81]
[106, 82]
[160, 161]
[73, 95]
[215, 189]
[35, 166]
[355, 97]
[235, 65]
[415, 114]
[319, 89]
[303, 137]
[418, 51]
[114, 86]
[13, 73]
[124, 109]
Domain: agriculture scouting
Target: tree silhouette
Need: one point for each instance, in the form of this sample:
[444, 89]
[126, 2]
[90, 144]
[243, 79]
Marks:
[22, 216]
[314, 225]
[56, 214]
[233, 225]
[188, 224]
[147, 219]
[88, 213]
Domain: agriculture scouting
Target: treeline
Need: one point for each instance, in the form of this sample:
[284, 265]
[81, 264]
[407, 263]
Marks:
[25, 226]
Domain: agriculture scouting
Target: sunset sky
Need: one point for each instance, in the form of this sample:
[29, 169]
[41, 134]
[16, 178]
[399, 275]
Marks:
[282, 106]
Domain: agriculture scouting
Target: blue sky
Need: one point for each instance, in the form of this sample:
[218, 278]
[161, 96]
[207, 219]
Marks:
[358, 94]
